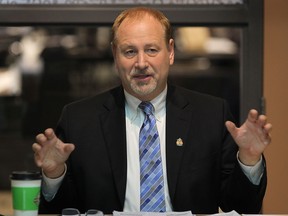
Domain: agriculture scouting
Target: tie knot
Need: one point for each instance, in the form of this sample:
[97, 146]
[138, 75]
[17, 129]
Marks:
[146, 107]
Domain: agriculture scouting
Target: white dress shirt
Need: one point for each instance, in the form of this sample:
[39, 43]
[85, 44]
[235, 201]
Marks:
[134, 121]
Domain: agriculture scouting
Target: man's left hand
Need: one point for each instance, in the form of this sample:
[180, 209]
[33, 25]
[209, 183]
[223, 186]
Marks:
[252, 137]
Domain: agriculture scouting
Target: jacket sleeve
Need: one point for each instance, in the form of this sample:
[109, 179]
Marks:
[66, 195]
[237, 191]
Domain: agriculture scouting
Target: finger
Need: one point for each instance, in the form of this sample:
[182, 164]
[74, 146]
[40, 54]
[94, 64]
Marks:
[37, 160]
[252, 115]
[267, 132]
[267, 139]
[49, 133]
[41, 138]
[266, 135]
[268, 127]
[37, 157]
[68, 148]
[262, 120]
[36, 147]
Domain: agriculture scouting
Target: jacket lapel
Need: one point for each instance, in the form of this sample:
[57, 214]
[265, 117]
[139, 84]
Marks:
[177, 125]
[114, 130]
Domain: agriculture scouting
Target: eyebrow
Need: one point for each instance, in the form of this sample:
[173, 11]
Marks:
[126, 45]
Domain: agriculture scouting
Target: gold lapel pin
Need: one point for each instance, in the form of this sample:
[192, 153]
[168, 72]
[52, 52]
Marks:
[179, 142]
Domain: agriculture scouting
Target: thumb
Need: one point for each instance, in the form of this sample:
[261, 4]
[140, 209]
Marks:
[231, 127]
[68, 148]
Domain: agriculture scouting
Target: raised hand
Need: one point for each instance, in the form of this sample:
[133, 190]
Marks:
[50, 153]
[252, 137]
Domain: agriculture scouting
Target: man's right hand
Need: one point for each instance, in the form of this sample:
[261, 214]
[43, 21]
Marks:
[50, 153]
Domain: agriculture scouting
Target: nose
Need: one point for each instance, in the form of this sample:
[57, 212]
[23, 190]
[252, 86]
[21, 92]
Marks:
[141, 61]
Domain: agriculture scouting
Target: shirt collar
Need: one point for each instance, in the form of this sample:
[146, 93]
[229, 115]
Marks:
[132, 104]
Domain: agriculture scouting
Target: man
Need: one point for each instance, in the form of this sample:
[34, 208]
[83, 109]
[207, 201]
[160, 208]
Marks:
[93, 162]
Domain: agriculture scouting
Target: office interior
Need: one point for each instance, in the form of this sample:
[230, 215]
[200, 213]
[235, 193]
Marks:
[44, 68]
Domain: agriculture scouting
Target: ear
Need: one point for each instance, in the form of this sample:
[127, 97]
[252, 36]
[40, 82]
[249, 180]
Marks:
[113, 49]
[171, 50]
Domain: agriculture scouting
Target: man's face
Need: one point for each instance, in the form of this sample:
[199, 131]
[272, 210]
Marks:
[142, 57]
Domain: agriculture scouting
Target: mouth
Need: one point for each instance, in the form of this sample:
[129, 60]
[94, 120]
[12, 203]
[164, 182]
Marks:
[142, 77]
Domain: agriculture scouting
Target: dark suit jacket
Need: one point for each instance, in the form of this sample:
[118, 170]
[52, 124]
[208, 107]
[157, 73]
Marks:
[202, 175]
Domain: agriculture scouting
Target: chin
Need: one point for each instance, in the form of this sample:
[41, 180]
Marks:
[144, 90]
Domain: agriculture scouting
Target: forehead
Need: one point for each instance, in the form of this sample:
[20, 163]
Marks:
[140, 27]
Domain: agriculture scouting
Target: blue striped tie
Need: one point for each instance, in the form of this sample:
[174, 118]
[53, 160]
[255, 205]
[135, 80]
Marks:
[151, 173]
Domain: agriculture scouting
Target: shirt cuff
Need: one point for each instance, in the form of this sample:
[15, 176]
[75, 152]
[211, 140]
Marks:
[51, 186]
[253, 173]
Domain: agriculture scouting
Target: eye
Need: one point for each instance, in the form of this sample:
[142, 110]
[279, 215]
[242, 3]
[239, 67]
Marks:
[152, 51]
[129, 53]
